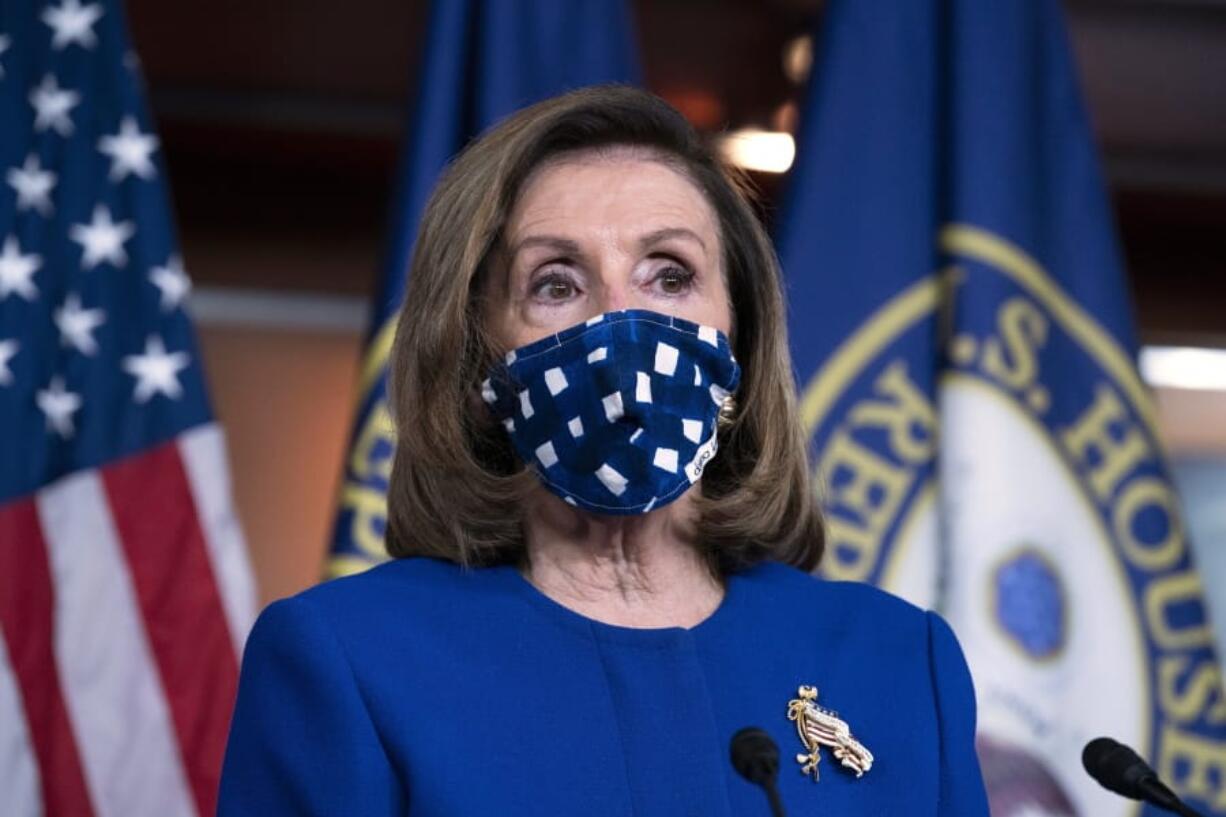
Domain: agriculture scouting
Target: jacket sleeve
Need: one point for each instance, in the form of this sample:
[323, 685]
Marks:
[962, 792]
[302, 741]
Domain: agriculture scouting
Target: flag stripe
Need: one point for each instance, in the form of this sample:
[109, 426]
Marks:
[203, 452]
[19, 779]
[27, 616]
[182, 608]
[119, 713]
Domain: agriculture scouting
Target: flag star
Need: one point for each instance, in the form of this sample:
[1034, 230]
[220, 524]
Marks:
[129, 151]
[17, 270]
[5, 42]
[59, 405]
[73, 23]
[156, 370]
[8, 348]
[51, 106]
[76, 325]
[33, 185]
[102, 239]
[172, 281]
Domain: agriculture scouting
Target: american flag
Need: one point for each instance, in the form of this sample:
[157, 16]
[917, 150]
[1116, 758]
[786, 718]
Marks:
[125, 591]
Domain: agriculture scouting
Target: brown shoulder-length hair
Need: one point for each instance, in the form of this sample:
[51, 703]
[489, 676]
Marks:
[457, 489]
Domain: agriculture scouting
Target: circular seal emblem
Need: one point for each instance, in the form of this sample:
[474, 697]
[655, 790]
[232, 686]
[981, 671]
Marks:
[1030, 604]
[985, 447]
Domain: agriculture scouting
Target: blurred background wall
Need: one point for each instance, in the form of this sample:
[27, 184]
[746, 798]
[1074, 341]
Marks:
[280, 124]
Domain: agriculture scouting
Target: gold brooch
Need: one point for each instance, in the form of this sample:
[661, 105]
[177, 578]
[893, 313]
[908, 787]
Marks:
[820, 727]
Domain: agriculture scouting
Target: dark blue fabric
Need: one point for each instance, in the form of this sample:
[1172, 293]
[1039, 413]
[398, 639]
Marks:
[421, 688]
[931, 112]
[617, 414]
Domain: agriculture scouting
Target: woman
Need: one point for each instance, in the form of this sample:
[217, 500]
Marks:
[603, 521]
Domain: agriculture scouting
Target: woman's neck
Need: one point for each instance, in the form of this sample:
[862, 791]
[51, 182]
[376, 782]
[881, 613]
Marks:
[631, 571]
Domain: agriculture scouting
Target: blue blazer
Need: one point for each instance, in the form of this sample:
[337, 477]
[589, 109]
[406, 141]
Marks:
[421, 688]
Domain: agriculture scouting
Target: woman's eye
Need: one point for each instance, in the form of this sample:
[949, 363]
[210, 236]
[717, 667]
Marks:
[559, 289]
[554, 288]
[674, 280]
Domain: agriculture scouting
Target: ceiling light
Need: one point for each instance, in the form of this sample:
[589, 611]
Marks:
[1184, 367]
[755, 149]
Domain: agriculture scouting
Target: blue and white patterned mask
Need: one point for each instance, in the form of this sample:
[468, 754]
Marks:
[618, 414]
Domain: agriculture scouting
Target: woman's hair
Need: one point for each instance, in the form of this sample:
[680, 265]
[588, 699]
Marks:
[457, 489]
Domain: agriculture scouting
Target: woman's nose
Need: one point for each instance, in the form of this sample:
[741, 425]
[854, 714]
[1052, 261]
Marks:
[618, 291]
[614, 293]
[616, 298]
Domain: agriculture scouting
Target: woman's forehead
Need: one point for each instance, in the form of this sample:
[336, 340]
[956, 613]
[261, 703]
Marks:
[629, 186]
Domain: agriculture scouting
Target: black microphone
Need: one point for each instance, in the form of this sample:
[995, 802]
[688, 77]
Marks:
[756, 757]
[1120, 769]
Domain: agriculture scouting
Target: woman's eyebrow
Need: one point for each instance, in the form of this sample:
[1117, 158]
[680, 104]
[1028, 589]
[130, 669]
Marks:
[552, 242]
[664, 234]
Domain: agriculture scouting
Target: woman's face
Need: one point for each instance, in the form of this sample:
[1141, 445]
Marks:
[605, 231]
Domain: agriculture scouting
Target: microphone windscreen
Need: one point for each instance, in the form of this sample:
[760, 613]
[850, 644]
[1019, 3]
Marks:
[755, 755]
[1116, 767]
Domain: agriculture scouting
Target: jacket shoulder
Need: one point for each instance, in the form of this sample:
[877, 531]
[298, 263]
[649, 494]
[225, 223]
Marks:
[393, 596]
[837, 604]
[398, 576]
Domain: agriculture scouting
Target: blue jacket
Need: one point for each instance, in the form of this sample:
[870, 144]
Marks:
[421, 688]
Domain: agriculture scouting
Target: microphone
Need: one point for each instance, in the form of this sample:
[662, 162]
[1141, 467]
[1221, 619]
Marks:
[1121, 770]
[756, 757]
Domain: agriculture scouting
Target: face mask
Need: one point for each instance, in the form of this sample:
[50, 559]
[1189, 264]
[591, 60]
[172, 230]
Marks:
[618, 414]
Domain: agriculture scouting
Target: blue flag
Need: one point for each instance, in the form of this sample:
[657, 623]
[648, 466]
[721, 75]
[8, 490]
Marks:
[983, 442]
[483, 60]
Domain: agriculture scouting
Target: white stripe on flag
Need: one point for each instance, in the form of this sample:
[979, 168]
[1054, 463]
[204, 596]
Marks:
[19, 779]
[110, 683]
[203, 452]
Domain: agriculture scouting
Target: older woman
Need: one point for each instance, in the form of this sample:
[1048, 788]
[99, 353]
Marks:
[603, 523]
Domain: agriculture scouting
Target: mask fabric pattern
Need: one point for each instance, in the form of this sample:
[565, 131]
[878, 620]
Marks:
[618, 414]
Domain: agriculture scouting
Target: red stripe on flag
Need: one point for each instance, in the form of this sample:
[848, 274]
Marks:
[154, 512]
[27, 616]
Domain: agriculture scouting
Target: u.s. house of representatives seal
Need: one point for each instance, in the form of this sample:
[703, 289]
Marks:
[985, 447]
